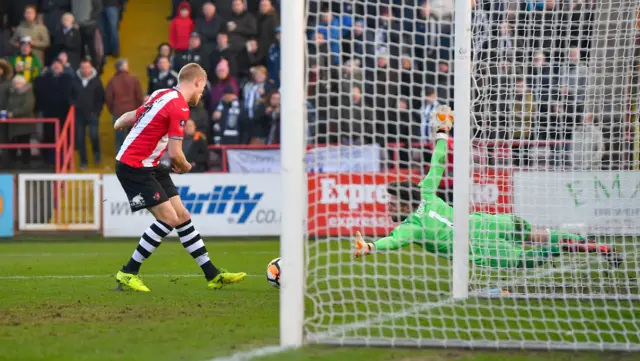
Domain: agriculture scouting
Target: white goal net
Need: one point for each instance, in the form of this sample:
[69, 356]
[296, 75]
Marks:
[553, 189]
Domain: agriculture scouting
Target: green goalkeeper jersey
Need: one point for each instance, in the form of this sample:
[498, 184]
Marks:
[431, 225]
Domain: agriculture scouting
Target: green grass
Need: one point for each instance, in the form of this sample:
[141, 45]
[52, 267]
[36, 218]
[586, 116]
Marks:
[44, 316]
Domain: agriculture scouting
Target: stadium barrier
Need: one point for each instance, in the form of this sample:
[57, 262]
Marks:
[249, 204]
[64, 141]
[59, 202]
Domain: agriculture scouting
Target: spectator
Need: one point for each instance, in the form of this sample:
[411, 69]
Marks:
[273, 59]
[6, 73]
[88, 98]
[165, 50]
[430, 103]
[268, 21]
[351, 76]
[64, 59]
[230, 123]
[208, 27]
[573, 78]
[358, 45]
[15, 11]
[539, 76]
[267, 123]
[163, 77]
[109, 26]
[181, 28]
[224, 52]
[68, 39]
[241, 28]
[355, 117]
[52, 11]
[524, 107]
[195, 148]
[26, 64]
[194, 54]
[224, 80]
[200, 117]
[87, 14]
[122, 95]
[20, 104]
[258, 87]
[411, 82]
[37, 33]
[588, 145]
[52, 93]
[329, 27]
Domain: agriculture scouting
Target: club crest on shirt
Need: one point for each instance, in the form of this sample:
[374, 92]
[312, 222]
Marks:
[182, 123]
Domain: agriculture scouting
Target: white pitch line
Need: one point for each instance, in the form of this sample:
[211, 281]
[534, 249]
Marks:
[248, 355]
[89, 254]
[152, 275]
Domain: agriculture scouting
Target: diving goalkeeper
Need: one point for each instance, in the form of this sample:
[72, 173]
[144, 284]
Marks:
[496, 241]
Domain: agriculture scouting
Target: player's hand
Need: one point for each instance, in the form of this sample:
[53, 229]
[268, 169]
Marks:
[361, 248]
[185, 168]
[442, 119]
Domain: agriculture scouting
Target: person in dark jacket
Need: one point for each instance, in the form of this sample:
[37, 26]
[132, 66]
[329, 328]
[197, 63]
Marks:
[162, 77]
[266, 129]
[195, 148]
[68, 39]
[208, 27]
[63, 57]
[230, 122]
[87, 14]
[6, 73]
[273, 60]
[164, 49]
[194, 54]
[109, 26]
[88, 98]
[53, 94]
[242, 27]
[223, 52]
[52, 11]
[268, 21]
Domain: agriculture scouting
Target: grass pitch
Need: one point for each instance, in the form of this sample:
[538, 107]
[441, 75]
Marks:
[57, 302]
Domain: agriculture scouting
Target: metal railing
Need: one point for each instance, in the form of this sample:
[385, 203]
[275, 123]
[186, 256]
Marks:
[64, 140]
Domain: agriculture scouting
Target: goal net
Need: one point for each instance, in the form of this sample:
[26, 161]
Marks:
[553, 162]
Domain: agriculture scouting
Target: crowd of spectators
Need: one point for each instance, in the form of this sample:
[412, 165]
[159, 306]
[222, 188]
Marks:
[376, 70]
[51, 55]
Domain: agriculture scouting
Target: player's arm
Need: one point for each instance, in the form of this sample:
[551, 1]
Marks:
[177, 120]
[126, 120]
[442, 121]
[401, 236]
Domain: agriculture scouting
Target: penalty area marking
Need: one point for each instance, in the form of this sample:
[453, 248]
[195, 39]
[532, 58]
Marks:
[152, 275]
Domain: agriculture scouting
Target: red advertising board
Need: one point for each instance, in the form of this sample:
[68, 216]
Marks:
[341, 204]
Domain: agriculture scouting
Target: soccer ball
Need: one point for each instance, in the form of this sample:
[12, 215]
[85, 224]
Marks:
[273, 273]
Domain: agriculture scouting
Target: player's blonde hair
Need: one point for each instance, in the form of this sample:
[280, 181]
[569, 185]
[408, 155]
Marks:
[191, 72]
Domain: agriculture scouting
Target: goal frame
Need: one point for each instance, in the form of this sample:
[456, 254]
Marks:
[294, 174]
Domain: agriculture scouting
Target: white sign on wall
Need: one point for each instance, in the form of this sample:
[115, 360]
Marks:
[220, 205]
[604, 202]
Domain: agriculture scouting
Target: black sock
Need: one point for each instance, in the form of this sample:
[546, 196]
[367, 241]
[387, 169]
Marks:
[149, 241]
[192, 243]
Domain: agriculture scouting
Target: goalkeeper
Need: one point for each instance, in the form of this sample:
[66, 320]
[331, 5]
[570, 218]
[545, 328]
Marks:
[495, 240]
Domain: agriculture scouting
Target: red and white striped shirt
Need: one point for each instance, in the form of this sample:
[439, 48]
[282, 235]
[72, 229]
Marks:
[161, 117]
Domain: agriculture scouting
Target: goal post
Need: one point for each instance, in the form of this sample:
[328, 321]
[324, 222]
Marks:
[540, 187]
[293, 149]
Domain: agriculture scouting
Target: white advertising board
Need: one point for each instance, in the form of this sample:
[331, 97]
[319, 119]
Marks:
[603, 202]
[220, 205]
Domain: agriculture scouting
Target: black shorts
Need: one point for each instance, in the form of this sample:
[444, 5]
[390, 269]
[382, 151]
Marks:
[146, 187]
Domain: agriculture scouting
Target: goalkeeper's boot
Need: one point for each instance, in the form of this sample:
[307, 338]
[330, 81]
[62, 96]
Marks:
[131, 281]
[225, 278]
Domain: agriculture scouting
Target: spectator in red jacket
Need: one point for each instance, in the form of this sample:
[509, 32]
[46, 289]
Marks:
[181, 27]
